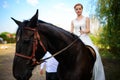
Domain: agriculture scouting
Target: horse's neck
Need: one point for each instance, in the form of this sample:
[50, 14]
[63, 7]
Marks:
[64, 51]
[55, 46]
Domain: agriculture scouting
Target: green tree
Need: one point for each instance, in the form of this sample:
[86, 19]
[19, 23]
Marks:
[108, 12]
[6, 37]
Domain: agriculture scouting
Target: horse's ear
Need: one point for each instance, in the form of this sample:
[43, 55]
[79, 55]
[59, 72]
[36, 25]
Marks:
[34, 20]
[16, 21]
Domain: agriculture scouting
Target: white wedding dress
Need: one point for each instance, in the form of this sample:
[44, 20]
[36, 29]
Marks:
[98, 70]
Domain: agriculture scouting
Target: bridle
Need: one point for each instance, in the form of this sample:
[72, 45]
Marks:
[36, 41]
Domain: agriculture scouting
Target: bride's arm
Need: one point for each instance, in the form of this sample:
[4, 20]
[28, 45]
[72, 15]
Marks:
[72, 27]
[87, 30]
[87, 25]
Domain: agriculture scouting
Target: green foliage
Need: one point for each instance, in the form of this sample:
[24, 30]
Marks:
[108, 12]
[5, 37]
[95, 39]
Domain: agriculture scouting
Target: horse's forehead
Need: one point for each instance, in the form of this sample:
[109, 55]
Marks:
[25, 22]
[24, 33]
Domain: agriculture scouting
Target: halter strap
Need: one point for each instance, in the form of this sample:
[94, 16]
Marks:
[35, 43]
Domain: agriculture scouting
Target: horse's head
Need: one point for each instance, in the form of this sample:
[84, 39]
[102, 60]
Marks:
[27, 43]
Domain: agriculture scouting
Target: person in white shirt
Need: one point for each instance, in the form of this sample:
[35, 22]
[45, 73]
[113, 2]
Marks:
[51, 67]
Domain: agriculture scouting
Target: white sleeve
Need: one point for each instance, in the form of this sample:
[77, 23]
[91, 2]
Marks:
[42, 65]
[45, 56]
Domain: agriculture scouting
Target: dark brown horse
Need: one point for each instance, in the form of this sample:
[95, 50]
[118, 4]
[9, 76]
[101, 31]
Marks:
[34, 37]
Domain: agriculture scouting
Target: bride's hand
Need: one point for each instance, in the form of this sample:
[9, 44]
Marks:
[82, 32]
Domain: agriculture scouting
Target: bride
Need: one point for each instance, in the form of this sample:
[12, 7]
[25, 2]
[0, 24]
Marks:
[81, 27]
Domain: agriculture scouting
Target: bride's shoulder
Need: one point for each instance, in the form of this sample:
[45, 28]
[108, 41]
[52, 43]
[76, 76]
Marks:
[86, 18]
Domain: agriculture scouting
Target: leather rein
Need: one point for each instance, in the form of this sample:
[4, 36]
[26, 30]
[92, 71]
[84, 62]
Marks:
[37, 40]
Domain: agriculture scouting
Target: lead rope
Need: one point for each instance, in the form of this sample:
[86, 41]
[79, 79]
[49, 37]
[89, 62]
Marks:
[43, 60]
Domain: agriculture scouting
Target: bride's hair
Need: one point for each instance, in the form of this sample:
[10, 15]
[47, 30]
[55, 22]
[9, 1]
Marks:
[78, 4]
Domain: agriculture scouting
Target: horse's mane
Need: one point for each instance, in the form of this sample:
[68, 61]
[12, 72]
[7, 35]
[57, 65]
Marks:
[59, 31]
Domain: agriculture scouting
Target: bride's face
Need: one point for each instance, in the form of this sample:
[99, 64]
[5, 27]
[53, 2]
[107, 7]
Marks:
[78, 10]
